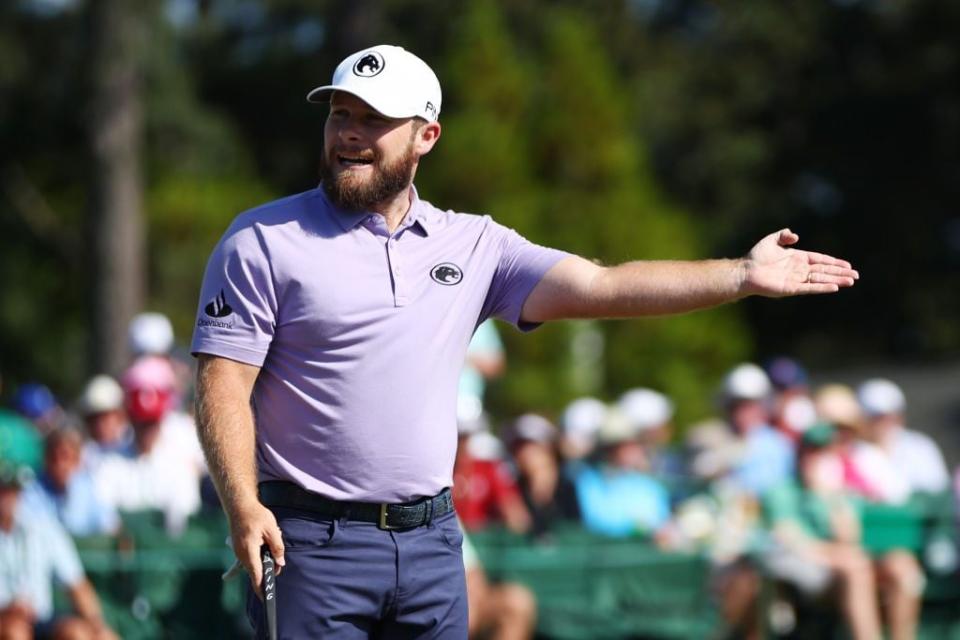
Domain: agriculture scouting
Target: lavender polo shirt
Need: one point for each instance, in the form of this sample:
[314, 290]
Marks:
[360, 335]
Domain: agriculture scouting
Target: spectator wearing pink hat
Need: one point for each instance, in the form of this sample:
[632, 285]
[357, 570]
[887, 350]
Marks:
[162, 471]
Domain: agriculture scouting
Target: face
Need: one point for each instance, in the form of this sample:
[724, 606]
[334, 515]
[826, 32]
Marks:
[61, 460]
[747, 414]
[368, 158]
[107, 427]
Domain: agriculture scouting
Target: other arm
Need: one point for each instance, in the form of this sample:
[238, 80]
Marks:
[578, 288]
[227, 434]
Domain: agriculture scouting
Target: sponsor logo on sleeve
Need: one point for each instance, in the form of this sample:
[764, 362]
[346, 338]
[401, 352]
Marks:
[217, 308]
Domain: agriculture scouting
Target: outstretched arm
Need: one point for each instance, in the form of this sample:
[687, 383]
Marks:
[578, 288]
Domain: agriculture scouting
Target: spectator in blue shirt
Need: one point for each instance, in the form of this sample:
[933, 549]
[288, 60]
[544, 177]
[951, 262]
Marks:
[65, 492]
[767, 456]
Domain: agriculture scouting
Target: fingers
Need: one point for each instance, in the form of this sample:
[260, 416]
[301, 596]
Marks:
[832, 274]
[785, 237]
[822, 258]
[274, 540]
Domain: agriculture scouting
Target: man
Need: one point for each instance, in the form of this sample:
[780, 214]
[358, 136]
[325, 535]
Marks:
[35, 550]
[767, 457]
[914, 455]
[160, 470]
[346, 312]
[65, 491]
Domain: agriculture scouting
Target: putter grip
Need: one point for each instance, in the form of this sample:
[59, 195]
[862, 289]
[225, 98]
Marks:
[269, 591]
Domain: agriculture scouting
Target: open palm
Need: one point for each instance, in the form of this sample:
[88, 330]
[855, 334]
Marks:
[775, 270]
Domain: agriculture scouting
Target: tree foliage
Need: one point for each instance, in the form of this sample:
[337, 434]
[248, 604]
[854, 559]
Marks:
[616, 129]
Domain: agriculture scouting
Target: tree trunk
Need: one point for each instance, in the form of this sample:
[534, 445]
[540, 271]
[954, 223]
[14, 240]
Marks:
[114, 126]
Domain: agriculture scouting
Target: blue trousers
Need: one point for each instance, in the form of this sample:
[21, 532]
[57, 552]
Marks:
[349, 579]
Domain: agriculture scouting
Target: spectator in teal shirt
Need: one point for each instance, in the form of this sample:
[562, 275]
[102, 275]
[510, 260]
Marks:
[618, 497]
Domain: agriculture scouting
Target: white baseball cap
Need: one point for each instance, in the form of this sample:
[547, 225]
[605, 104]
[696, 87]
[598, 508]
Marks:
[880, 397]
[746, 382]
[583, 417]
[390, 79]
[102, 393]
[150, 333]
[645, 408]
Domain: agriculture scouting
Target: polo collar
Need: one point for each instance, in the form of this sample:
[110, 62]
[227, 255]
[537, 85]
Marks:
[418, 214]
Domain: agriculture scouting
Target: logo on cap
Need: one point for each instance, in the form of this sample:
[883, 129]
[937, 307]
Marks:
[369, 64]
[431, 110]
[446, 273]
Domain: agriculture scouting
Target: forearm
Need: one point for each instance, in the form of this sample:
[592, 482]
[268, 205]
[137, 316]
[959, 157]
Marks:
[226, 430]
[654, 288]
[86, 603]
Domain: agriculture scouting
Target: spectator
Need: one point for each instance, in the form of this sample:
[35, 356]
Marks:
[65, 492]
[817, 533]
[581, 420]
[484, 488]
[163, 472]
[35, 550]
[793, 409]
[101, 408]
[505, 611]
[549, 495]
[20, 443]
[650, 413]
[914, 455]
[617, 496]
[36, 403]
[150, 334]
[867, 469]
[767, 455]
[485, 360]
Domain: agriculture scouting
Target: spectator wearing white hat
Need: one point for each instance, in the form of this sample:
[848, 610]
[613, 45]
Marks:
[767, 457]
[150, 334]
[651, 414]
[101, 408]
[617, 495]
[914, 454]
[580, 422]
[549, 495]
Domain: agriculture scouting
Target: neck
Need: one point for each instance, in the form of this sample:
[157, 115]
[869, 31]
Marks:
[145, 437]
[394, 210]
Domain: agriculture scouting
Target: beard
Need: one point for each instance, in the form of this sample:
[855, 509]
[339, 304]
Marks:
[350, 193]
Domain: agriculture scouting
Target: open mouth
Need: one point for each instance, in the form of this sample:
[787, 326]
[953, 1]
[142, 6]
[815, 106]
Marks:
[355, 160]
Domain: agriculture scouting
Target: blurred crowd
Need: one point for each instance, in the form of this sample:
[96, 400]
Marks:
[772, 489]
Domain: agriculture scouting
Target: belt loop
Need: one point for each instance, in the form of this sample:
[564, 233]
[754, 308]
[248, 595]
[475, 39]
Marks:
[428, 518]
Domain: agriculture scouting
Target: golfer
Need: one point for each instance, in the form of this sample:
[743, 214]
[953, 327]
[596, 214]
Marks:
[331, 330]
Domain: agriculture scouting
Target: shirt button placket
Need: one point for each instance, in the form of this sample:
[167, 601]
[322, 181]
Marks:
[396, 270]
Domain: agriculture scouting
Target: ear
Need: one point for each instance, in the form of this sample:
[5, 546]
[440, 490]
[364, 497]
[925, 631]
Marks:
[426, 137]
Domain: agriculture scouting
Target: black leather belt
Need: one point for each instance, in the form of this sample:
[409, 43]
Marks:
[405, 515]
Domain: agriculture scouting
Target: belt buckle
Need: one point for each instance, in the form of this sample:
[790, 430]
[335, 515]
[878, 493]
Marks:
[383, 518]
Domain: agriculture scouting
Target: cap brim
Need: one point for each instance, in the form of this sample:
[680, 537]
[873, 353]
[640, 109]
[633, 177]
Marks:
[322, 94]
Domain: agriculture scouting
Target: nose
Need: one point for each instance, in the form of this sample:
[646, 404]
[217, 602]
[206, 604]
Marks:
[349, 130]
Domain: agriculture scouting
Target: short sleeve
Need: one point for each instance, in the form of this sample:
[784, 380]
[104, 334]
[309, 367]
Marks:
[63, 554]
[236, 316]
[521, 266]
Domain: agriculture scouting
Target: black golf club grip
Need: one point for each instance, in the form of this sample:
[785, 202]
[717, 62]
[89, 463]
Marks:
[269, 591]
